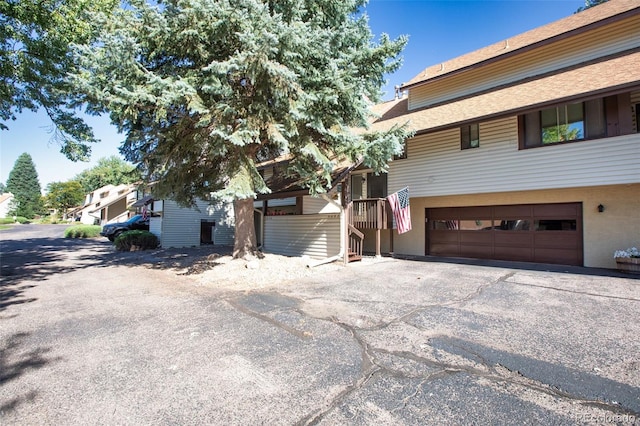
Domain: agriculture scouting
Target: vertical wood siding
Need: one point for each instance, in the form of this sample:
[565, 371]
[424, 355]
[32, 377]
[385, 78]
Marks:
[316, 236]
[597, 43]
[181, 226]
[437, 166]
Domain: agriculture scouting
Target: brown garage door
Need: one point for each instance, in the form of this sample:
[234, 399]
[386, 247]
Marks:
[544, 233]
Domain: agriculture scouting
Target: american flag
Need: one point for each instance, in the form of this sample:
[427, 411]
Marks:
[400, 205]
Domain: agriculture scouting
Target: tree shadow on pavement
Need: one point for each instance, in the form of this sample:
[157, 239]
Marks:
[15, 363]
[37, 259]
[574, 384]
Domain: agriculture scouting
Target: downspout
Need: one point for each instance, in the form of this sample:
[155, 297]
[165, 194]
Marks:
[343, 233]
[261, 227]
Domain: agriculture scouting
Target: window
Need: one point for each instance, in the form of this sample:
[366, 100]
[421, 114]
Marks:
[368, 185]
[404, 152]
[562, 124]
[470, 136]
[592, 119]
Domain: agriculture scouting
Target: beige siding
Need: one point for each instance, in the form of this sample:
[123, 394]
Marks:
[437, 166]
[155, 226]
[181, 226]
[316, 236]
[313, 205]
[615, 228]
[601, 42]
[222, 213]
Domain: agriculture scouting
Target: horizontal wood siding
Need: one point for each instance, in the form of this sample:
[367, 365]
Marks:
[314, 205]
[601, 42]
[181, 226]
[155, 226]
[222, 213]
[437, 166]
[316, 235]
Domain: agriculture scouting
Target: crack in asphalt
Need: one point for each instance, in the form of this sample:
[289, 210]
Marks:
[585, 293]
[241, 308]
[372, 366]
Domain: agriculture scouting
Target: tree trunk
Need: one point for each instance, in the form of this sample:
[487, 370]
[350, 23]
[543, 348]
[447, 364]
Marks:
[244, 245]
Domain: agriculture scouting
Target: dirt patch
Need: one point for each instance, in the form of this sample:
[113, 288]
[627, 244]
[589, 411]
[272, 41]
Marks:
[214, 267]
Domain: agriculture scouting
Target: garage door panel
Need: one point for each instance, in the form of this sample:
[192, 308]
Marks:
[476, 237]
[562, 240]
[523, 254]
[556, 210]
[472, 213]
[478, 252]
[512, 211]
[442, 249]
[564, 257]
[444, 237]
[513, 239]
[547, 233]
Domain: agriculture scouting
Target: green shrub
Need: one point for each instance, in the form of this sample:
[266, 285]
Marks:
[82, 231]
[22, 220]
[136, 240]
[6, 220]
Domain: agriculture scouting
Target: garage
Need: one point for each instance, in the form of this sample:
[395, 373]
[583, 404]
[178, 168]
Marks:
[542, 233]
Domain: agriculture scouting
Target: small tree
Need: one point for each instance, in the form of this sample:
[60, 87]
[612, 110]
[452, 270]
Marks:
[109, 171]
[205, 89]
[24, 185]
[64, 195]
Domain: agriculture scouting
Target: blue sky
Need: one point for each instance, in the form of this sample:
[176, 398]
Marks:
[438, 30]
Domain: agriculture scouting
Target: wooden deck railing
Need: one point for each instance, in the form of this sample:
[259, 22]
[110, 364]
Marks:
[371, 213]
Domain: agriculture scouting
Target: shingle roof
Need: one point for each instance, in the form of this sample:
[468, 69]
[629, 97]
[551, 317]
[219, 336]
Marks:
[615, 73]
[289, 186]
[573, 23]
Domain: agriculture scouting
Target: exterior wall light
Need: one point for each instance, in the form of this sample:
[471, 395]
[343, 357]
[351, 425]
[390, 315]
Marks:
[600, 208]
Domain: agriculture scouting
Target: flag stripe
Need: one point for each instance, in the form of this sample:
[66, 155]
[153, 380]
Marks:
[399, 202]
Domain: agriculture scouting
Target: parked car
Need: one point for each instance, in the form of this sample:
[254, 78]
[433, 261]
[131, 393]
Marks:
[112, 230]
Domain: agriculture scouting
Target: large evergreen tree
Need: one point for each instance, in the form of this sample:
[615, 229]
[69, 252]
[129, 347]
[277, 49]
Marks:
[205, 89]
[35, 57]
[109, 171]
[24, 185]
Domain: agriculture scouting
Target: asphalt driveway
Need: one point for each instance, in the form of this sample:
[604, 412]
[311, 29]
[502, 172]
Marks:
[89, 336]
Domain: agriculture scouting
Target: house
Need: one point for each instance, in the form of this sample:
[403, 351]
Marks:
[176, 226]
[291, 222]
[525, 150]
[108, 204]
[5, 203]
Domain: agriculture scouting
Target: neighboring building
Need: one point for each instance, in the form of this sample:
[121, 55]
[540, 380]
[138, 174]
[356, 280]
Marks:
[5, 203]
[177, 226]
[107, 205]
[525, 150]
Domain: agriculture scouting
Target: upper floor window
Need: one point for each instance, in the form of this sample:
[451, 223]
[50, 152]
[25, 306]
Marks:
[470, 136]
[404, 152]
[592, 119]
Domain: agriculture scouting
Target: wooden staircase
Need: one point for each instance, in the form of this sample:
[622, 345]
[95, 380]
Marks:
[356, 239]
[373, 213]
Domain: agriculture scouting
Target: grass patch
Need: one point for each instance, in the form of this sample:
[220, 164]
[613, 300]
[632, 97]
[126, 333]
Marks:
[82, 231]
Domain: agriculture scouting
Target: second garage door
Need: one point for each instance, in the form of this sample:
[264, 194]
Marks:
[544, 233]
